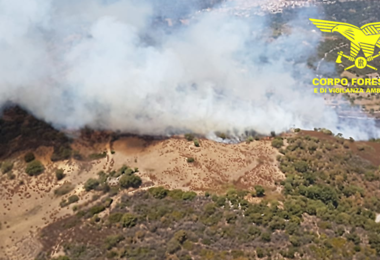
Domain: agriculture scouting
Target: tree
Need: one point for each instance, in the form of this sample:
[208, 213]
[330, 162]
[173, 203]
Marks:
[34, 168]
[127, 181]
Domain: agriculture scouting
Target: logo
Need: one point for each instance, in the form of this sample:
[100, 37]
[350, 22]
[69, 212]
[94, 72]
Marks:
[364, 38]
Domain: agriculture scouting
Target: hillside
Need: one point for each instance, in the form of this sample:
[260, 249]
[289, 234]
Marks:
[304, 195]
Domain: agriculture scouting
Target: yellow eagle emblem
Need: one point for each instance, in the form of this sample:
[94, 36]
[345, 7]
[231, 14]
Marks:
[364, 38]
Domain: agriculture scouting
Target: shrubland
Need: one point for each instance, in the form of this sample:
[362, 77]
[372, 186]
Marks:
[327, 210]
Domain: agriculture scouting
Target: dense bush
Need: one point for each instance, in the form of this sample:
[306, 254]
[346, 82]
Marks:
[71, 199]
[64, 189]
[128, 220]
[29, 157]
[260, 191]
[61, 153]
[189, 195]
[189, 137]
[34, 168]
[97, 209]
[113, 240]
[277, 142]
[91, 184]
[59, 174]
[6, 167]
[130, 181]
[158, 192]
[97, 156]
[115, 217]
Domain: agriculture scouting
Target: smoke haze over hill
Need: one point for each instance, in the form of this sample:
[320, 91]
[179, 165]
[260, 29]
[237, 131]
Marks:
[117, 65]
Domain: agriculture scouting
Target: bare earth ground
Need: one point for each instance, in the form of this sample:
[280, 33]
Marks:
[28, 207]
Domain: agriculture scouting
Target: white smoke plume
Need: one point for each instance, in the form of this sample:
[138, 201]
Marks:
[116, 65]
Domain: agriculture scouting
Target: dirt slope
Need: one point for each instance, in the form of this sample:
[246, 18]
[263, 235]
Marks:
[28, 207]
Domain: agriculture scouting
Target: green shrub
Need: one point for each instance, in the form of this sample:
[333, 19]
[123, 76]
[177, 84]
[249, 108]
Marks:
[107, 202]
[254, 231]
[326, 131]
[102, 177]
[190, 159]
[91, 184]
[158, 192]
[173, 246]
[77, 156]
[221, 135]
[129, 220]
[29, 157]
[129, 171]
[6, 167]
[59, 174]
[266, 237]
[301, 166]
[97, 209]
[115, 217]
[196, 142]
[112, 254]
[189, 195]
[62, 257]
[176, 194]
[260, 191]
[73, 199]
[260, 252]
[113, 240]
[127, 181]
[97, 156]
[180, 236]
[249, 139]
[61, 153]
[277, 142]
[34, 168]
[11, 176]
[64, 189]
[189, 137]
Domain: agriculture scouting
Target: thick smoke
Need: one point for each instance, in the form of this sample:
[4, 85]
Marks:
[119, 65]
